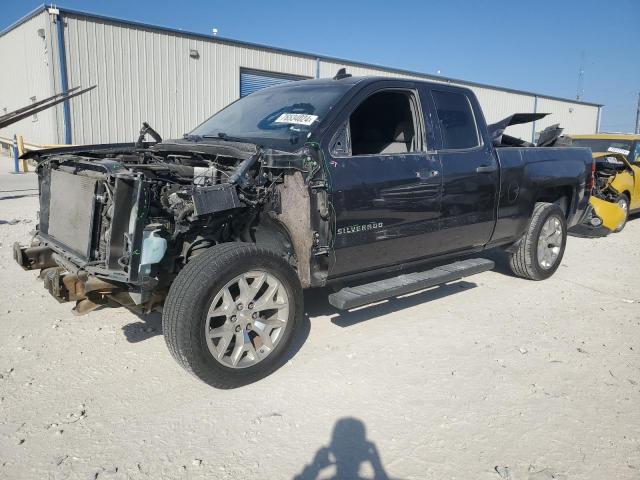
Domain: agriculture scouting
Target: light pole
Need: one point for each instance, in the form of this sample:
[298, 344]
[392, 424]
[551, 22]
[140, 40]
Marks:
[638, 115]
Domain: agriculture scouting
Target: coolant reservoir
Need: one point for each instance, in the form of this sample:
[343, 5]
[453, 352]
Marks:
[153, 249]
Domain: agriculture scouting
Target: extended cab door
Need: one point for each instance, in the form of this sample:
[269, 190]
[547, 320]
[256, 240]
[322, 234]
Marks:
[470, 170]
[385, 182]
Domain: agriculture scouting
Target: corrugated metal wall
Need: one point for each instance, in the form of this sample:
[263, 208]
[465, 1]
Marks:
[146, 74]
[497, 105]
[26, 76]
[253, 80]
[574, 117]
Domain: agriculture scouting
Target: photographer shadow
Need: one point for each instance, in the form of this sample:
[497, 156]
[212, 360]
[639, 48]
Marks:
[347, 452]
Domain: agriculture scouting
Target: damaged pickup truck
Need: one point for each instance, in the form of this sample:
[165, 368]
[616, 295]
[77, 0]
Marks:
[305, 184]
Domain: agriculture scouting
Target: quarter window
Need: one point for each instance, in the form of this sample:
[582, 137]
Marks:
[457, 123]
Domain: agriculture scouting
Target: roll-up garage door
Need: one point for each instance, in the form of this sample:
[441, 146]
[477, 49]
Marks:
[254, 80]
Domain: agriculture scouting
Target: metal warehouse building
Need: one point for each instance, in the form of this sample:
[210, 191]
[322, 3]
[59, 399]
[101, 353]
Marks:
[175, 79]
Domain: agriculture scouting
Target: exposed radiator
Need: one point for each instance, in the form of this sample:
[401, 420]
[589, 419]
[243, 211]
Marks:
[71, 210]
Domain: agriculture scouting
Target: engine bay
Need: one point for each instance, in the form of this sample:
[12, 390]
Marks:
[133, 216]
[606, 169]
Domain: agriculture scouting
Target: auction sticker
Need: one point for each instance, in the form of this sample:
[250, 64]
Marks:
[618, 150]
[296, 118]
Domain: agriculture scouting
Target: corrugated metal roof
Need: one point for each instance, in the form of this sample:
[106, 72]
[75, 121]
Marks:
[223, 40]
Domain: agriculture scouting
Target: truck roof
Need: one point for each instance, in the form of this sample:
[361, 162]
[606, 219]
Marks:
[352, 80]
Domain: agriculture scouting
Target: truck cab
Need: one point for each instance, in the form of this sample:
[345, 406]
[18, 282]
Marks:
[408, 178]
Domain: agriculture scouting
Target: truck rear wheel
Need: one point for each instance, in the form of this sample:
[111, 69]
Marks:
[231, 314]
[539, 252]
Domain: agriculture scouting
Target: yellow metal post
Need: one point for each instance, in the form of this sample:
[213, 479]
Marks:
[25, 167]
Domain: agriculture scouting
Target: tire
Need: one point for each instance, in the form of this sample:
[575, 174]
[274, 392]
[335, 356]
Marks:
[623, 201]
[189, 328]
[524, 260]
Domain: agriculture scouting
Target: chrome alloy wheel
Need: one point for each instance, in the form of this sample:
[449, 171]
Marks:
[624, 205]
[247, 319]
[549, 242]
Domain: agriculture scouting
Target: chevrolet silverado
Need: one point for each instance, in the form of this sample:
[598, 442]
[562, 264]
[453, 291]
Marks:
[306, 184]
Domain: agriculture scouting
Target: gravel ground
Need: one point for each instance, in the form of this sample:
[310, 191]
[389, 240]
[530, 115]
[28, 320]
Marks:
[489, 378]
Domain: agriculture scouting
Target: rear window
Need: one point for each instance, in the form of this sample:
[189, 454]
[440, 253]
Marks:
[457, 123]
[603, 145]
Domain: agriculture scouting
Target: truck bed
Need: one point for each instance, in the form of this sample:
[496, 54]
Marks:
[525, 171]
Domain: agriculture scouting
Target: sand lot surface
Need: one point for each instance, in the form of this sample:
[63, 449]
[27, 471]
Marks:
[490, 378]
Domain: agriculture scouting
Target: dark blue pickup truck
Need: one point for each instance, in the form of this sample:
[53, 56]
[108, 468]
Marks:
[306, 184]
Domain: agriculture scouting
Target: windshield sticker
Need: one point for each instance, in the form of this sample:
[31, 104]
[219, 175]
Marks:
[618, 150]
[296, 118]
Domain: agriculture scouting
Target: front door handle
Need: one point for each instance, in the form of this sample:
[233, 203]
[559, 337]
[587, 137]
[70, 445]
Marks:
[486, 169]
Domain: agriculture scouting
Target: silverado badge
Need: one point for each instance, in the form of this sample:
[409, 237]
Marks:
[359, 228]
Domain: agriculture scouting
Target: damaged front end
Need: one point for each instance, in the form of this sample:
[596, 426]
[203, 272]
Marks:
[118, 222]
[605, 214]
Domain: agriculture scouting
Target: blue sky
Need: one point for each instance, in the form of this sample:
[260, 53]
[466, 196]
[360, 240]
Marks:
[534, 46]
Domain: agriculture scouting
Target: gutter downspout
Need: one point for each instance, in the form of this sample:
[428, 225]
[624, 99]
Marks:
[64, 83]
[318, 67]
[533, 127]
[598, 120]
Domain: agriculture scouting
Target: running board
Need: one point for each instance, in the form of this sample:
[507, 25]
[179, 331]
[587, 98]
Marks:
[352, 297]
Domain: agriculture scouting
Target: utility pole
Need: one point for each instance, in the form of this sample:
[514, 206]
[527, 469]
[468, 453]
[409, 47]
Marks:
[580, 89]
[638, 115]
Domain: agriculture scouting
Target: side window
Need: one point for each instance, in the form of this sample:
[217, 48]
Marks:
[457, 123]
[384, 123]
[636, 156]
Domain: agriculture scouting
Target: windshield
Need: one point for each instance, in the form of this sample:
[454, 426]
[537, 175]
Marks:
[603, 145]
[281, 117]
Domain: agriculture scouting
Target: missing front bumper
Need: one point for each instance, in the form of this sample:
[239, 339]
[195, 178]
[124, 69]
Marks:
[87, 291]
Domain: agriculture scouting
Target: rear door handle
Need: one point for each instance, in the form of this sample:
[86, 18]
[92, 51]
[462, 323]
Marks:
[486, 169]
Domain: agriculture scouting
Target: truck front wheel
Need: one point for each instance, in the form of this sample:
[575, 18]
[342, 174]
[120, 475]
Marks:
[231, 314]
[539, 252]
